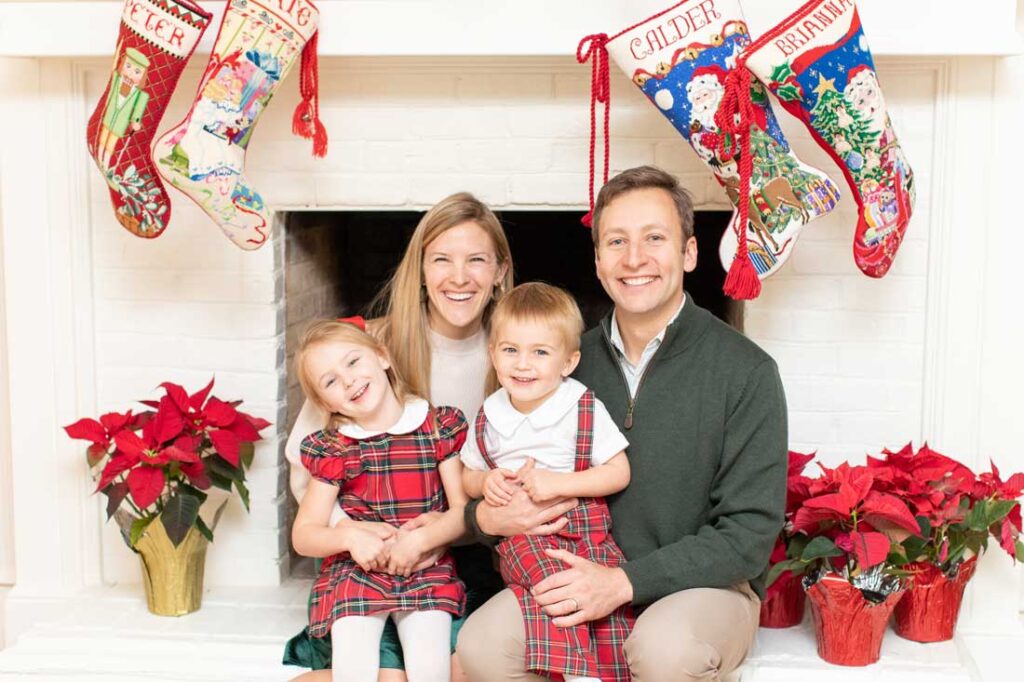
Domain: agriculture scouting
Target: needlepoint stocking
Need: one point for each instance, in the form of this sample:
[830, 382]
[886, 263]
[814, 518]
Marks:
[817, 62]
[204, 155]
[684, 59]
[155, 40]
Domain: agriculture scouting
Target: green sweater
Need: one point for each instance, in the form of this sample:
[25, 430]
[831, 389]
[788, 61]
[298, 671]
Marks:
[708, 454]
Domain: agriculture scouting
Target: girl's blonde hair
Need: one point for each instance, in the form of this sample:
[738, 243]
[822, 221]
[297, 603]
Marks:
[402, 304]
[321, 332]
[537, 301]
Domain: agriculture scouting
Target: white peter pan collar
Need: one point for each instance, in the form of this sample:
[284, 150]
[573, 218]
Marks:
[505, 419]
[413, 416]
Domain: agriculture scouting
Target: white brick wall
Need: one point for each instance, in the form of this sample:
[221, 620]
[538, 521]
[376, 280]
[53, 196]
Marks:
[406, 132]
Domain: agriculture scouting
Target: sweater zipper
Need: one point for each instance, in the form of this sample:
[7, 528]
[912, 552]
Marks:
[631, 400]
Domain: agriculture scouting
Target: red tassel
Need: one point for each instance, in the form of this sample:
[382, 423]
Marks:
[734, 117]
[588, 220]
[599, 92]
[306, 119]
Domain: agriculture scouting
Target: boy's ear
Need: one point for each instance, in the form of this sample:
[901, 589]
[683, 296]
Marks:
[570, 364]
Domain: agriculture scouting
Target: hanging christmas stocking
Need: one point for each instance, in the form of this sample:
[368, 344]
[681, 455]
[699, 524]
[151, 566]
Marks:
[684, 60]
[155, 40]
[204, 155]
[818, 64]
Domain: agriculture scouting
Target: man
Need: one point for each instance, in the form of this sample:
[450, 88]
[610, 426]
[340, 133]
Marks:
[705, 415]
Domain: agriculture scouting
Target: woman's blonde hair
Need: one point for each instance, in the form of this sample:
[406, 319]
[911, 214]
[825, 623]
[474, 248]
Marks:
[334, 331]
[402, 304]
[540, 302]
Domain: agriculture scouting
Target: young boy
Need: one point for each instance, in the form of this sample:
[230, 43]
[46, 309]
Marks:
[548, 434]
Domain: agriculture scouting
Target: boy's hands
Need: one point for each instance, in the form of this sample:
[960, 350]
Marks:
[540, 485]
[368, 544]
[499, 486]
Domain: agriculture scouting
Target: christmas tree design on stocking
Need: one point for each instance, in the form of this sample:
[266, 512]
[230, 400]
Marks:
[817, 62]
[204, 155]
[684, 59]
[155, 40]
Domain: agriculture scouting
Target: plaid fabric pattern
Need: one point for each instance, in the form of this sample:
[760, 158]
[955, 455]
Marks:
[591, 649]
[393, 479]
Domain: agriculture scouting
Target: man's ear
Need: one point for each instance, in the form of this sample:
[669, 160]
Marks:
[690, 255]
[570, 364]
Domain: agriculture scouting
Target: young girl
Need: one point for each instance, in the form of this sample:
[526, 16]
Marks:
[548, 434]
[389, 457]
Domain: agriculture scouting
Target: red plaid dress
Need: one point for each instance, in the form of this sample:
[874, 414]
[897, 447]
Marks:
[393, 479]
[591, 649]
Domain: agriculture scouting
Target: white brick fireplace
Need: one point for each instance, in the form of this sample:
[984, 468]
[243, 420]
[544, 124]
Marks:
[96, 318]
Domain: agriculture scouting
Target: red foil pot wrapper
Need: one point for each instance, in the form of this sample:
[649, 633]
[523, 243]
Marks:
[929, 611]
[783, 607]
[849, 628]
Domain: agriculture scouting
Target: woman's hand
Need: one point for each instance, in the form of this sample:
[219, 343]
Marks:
[499, 487]
[368, 546]
[407, 552]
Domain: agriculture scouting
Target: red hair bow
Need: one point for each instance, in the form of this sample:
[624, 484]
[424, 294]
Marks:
[356, 320]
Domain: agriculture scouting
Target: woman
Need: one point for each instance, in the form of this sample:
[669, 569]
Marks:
[433, 319]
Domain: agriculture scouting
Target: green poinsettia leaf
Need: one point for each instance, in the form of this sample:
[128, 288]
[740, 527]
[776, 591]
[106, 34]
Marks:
[1019, 547]
[115, 493]
[247, 452]
[243, 492]
[138, 527]
[217, 514]
[776, 570]
[998, 509]
[977, 518]
[820, 548]
[179, 515]
[204, 529]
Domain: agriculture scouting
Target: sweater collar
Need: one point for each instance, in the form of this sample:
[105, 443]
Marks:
[688, 326]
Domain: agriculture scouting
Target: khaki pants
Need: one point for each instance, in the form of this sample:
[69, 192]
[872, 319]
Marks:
[698, 634]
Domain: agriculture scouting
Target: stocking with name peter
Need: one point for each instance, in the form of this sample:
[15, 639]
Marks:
[818, 64]
[684, 60]
[204, 155]
[155, 40]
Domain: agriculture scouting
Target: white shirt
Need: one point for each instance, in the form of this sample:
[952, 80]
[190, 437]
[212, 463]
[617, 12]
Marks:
[636, 372]
[547, 434]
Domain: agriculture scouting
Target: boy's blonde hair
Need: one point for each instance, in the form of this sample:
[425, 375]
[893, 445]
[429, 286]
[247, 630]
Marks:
[334, 331]
[543, 303]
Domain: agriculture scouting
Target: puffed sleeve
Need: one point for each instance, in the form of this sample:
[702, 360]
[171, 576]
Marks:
[330, 457]
[451, 432]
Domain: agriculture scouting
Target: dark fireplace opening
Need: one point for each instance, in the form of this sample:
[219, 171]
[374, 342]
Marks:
[336, 262]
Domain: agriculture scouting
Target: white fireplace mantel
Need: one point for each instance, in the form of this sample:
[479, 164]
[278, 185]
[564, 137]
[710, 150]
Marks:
[519, 28]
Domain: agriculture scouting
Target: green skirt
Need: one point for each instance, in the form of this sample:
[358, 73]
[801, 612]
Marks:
[474, 564]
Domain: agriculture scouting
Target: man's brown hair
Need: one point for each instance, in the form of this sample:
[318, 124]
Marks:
[645, 177]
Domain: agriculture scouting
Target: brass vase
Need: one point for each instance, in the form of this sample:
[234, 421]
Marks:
[173, 576]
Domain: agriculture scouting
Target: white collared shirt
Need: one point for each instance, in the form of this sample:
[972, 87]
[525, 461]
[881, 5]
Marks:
[413, 415]
[547, 434]
[636, 372]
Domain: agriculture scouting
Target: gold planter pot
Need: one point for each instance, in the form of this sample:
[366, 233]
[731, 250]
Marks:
[173, 575]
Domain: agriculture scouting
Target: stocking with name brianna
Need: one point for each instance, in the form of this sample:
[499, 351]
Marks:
[204, 155]
[817, 62]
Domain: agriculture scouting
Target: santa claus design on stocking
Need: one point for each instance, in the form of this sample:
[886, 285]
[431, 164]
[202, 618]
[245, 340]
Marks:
[681, 59]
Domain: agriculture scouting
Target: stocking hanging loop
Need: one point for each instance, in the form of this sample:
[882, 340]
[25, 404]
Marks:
[592, 48]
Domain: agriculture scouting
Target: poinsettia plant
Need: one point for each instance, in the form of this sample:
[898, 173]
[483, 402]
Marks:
[847, 525]
[785, 563]
[161, 461]
[956, 510]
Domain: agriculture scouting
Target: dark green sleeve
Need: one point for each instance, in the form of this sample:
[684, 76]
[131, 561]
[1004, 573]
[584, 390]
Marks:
[747, 502]
[473, 531]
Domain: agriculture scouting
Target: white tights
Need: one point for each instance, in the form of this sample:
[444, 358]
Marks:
[426, 646]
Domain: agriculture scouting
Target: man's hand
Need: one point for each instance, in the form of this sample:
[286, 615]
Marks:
[541, 485]
[523, 516]
[583, 592]
[499, 486]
